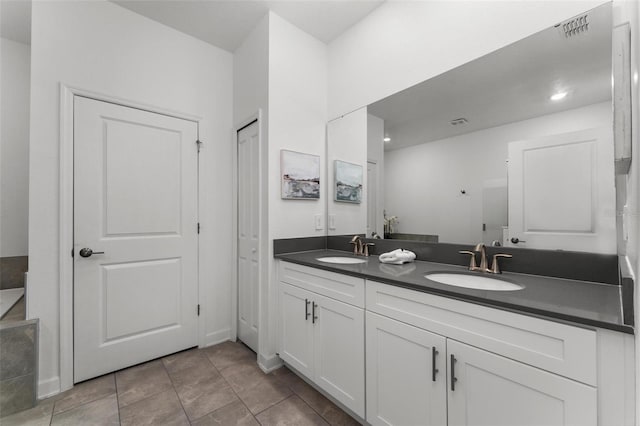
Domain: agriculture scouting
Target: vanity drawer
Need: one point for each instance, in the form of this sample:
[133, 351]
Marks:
[559, 348]
[341, 287]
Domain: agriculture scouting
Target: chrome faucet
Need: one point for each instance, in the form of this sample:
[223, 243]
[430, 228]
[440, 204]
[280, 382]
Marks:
[357, 245]
[484, 264]
[360, 248]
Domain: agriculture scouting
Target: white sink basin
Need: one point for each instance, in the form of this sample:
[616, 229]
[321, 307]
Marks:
[480, 282]
[341, 260]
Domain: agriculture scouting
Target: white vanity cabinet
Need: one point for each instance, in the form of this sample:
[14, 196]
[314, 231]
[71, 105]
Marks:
[322, 330]
[406, 374]
[494, 367]
[415, 377]
[488, 389]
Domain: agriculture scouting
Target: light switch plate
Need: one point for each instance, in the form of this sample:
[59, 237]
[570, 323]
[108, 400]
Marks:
[332, 221]
[318, 221]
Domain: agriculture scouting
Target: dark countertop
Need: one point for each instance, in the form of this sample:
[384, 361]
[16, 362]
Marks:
[580, 302]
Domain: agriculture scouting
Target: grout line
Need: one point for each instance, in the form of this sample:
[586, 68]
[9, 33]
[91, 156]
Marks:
[173, 387]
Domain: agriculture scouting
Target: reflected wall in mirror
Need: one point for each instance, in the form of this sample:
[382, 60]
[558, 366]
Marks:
[15, 64]
[513, 148]
[348, 136]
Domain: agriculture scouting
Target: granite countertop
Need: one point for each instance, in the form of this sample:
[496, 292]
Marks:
[579, 302]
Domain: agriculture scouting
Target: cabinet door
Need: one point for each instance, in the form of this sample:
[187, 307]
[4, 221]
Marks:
[405, 384]
[492, 390]
[339, 351]
[296, 333]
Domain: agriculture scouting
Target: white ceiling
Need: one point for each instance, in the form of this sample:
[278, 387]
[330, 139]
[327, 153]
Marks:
[222, 23]
[226, 23]
[511, 84]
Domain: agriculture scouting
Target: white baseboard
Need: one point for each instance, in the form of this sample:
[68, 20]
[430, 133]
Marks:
[216, 337]
[268, 364]
[48, 387]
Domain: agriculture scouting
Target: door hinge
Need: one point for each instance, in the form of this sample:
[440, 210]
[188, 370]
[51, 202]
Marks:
[72, 253]
[198, 227]
[199, 144]
[198, 309]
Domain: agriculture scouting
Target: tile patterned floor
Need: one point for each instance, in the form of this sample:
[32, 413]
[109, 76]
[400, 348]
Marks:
[219, 385]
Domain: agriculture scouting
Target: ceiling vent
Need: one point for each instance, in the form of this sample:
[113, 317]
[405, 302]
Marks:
[574, 27]
[458, 121]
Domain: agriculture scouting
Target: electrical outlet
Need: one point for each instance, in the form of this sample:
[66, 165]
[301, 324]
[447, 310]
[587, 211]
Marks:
[318, 221]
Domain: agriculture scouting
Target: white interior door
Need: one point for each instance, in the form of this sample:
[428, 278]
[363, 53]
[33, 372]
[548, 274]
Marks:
[248, 235]
[135, 207]
[562, 192]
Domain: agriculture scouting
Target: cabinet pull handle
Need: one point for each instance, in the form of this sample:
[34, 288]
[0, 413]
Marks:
[453, 373]
[313, 310]
[306, 309]
[434, 370]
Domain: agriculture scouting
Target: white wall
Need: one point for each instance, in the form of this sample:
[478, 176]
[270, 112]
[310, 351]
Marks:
[250, 97]
[251, 75]
[402, 43]
[15, 63]
[423, 182]
[297, 118]
[101, 47]
[347, 141]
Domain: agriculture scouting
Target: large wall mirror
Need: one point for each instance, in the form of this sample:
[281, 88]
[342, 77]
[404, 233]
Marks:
[515, 148]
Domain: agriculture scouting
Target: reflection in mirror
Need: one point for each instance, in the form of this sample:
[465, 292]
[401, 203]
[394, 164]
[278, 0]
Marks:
[348, 136]
[513, 148]
[14, 191]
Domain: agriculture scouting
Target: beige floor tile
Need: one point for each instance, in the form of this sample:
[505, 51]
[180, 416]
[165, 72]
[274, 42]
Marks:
[292, 411]
[327, 409]
[200, 371]
[40, 415]
[185, 359]
[203, 397]
[286, 376]
[266, 392]
[234, 414]
[97, 413]
[229, 353]
[242, 375]
[161, 409]
[84, 392]
[142, 381]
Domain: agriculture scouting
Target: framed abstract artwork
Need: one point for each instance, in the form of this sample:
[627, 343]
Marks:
[300, 175]
[348, 179]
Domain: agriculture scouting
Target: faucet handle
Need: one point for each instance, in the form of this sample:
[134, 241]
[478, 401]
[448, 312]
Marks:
[495, 268]
[472, 263]
[366, 248]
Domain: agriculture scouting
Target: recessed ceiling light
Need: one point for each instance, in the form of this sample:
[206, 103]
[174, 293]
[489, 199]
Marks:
[558, 96]
[387, 139]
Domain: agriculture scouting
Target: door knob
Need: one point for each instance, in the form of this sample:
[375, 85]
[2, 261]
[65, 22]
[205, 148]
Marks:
[515, 240]
[87, 252]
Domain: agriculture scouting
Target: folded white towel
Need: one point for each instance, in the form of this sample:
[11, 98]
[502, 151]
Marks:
[397, 257]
